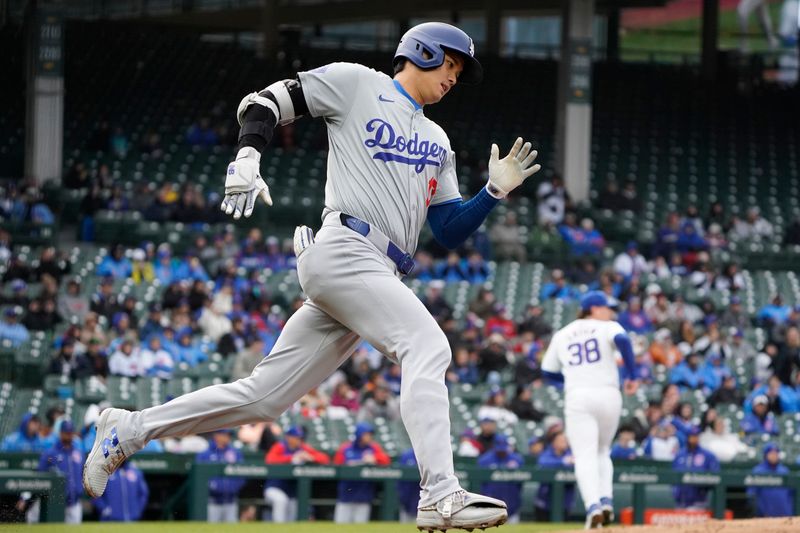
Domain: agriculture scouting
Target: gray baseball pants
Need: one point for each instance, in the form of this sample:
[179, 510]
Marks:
[353, 293]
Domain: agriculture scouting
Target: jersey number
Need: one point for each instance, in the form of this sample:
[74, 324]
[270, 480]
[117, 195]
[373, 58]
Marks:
[588, 352]
[432, 184]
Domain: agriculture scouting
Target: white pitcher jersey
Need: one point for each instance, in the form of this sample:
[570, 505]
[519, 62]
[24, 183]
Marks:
[585, 353]
[387, 162]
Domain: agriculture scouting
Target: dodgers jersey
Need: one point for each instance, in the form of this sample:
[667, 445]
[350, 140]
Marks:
[584, 351]
[387, 162]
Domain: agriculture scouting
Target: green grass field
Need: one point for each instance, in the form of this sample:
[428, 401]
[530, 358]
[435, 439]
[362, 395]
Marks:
[263, 527]
[683, 37]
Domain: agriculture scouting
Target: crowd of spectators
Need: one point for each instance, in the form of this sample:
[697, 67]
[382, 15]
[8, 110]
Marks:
[217, 300]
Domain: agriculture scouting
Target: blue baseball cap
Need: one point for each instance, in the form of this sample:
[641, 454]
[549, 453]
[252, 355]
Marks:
[771, 447]
[295, 431]
[594, 299]
[67, 427]
[501, 443]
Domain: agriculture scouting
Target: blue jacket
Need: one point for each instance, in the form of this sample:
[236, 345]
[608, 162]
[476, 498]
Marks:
[19, 441]
[772, 501]
[699, 460]
[686, 378]
[775, 314]
[117, 269]
[17, 334]
[552, 291]
[508, 491]
[752, 424]
[789, 399]
[548, 459]
[222, 489]
[622, 452]
[68, 461]
[408, 491]
[125, 497]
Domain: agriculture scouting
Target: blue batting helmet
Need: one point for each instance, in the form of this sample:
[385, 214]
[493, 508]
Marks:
[434, 38]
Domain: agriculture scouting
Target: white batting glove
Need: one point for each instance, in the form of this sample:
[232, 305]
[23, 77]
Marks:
[508, 173]
[243, 184]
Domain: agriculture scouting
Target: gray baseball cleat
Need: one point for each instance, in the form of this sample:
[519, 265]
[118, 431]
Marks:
[106, 455]
[462, 510]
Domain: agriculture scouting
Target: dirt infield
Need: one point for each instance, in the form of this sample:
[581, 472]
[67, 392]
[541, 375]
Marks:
[762, 525]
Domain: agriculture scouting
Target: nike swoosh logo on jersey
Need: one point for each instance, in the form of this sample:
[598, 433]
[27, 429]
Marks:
[383, 99]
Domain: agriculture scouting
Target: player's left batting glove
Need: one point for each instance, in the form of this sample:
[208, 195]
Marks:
[508, 173]
[243, 184]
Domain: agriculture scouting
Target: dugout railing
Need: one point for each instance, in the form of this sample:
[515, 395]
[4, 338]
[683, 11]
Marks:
[15, 476]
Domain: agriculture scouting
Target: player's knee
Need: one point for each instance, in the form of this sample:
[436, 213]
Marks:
[429, 348]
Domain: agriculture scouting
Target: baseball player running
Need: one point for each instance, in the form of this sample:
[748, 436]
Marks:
[582, 354]
[390, 169]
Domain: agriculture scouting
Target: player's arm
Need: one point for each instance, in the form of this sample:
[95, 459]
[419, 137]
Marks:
[319, 457]
[258, 115]
[623, 344]
[381, 458]
[454, 221]
[277, 455]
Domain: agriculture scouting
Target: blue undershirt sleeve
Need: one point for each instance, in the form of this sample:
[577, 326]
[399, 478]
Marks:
[554, 377]
[626, 349]
[453, 222]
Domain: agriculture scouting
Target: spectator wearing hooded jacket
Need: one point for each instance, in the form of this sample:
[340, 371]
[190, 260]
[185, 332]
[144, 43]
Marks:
[223, 492]
[26, 438]
[693, 458]
[772, 501]
[281, 494]
[65, 458]
[355, 497]
[408, 491]
[502, 455]
[125, 497]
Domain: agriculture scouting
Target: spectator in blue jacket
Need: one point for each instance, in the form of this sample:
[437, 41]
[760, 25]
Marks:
[115, 264]
[476, 270]
[125, 497]
[774, 313]
[558, 288]
[690, 375]
[782, 398]
[187, 351]
[715, 371]
[26, 438]
[772, 501]
[408, 491]
[556, 455]
[223, 492]
[693, 458]
[760, 421]
[625, 446]
[68, 460]
[11, 329]
[354, 498]
[634, 319]
[503, 456]
[450, 270]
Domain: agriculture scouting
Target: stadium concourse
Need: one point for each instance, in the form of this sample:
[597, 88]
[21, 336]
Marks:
[125, 286]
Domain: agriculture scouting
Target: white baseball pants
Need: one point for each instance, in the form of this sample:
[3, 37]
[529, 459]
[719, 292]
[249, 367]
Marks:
[591, 417]
[222, 512]
[351, 513]
[284, 508]
[353, 293]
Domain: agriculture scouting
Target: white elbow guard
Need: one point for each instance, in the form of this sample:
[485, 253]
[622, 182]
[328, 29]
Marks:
[283, 110]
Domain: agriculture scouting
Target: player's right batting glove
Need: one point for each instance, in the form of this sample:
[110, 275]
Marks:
[508, 173]
[243, 184]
